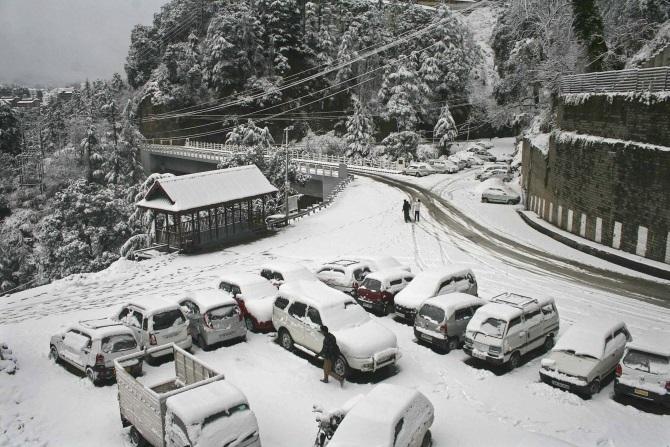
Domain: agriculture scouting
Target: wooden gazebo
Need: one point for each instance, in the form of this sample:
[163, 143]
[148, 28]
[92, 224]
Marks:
[208, 208]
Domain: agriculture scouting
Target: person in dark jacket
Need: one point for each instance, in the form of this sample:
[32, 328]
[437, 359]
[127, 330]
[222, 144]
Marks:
[405, 210]
[330, 352]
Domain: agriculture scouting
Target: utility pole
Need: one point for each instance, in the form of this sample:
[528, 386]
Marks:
[286, 184]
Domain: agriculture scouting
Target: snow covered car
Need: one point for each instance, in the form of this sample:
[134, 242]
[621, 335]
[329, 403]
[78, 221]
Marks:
[381, 262]
[500, 195]
[443, 167]
[585, 355]
[644, 373]
[92, 345]
[418, 169]
[255, 296]
[379, 288]
[213, 317]
[493, 167]
[211, 415]
[304, 306]
[344, 274]
[502, 173]
[388, 416]
[156, 321]
[430, 283]
[510, 326]
[442, 320]
[458, 161]
[279, 272]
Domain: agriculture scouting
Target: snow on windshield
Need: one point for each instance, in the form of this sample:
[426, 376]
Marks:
[116, 343]
[643, 361]
[350, 315]
[168, 319]
[493, 327]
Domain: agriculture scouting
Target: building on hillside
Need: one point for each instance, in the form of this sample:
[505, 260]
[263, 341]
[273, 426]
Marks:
[208, 208]
[604, 172]
[28, 103]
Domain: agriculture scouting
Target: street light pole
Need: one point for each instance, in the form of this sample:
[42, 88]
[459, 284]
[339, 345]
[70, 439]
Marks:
[286, 184]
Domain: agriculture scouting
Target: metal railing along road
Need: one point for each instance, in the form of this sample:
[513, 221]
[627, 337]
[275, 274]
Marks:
[619, 81]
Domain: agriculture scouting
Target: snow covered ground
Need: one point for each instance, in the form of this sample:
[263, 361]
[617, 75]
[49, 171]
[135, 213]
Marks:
[45, 404]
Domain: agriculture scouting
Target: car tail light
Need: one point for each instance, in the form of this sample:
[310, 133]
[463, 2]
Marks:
[667, 385]
[99, 359]
[152, 339]
[618, 371]
[207, 321]
[443, 328]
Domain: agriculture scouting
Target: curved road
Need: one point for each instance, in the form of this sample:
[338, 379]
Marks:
[526, 257]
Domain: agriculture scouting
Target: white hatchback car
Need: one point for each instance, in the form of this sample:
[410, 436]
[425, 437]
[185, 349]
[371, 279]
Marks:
[644, 373]
[418, 169]
[91, 346]
[304, 306]
[344, 274]
[443, 167]
[156, 321]
[585, 355]
[388, 416]
[500, 195]
[279, 272]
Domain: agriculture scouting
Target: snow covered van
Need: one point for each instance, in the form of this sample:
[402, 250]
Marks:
[156, 321]
[344, 274]
[388, 416]
[304, 306]
[430, 283]
[196, 407]
[644, 373]
[255, 296]
[510, 326]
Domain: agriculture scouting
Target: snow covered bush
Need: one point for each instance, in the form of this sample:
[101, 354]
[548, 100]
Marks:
[401, 145]
[325, 144]
[8, 363]
[445, 129]
[250, 134]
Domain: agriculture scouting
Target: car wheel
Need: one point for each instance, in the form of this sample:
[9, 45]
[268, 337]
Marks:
[548, 344]
[53, 354]
[594, 387]
[514, 361]
[285, 339]
[485, 200]
[417, 175]
[427, 439]
[340, 367]
[452, 344]
[92, 376]
[249, 323]
[136, 439]
[510, 202]
[202, 343]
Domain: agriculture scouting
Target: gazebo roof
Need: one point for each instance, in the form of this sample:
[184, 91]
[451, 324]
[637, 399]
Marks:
[206, 189]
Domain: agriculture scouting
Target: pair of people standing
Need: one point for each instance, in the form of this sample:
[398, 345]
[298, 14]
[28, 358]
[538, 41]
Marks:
[415, 206]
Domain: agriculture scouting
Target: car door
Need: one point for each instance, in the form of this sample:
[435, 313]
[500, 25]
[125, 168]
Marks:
[313, 336]
[516, 336]
[65, 349]
[609, 355]
[535, 328]
[462, 317]
[295, 321]
[446, 286]
[192, 313]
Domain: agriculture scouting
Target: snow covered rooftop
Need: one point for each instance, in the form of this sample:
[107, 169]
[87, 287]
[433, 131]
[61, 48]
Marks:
[205, 189]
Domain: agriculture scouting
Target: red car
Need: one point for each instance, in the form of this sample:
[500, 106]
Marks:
[255, 296]
[378, 289]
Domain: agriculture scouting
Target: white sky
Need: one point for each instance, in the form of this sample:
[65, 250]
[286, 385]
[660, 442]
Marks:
[57, 42]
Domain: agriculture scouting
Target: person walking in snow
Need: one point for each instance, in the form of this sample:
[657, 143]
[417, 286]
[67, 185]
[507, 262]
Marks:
[330, 352]
[417, 207]
[405, 210]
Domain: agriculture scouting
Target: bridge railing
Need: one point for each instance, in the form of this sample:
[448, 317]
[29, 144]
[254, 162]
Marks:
[619, 81]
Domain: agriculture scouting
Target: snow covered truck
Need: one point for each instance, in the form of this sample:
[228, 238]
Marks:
[196, 408]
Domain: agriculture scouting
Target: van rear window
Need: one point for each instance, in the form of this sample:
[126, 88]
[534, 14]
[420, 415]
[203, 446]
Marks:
[222, 312]
[432, 313]
[372, 284]
[116, 343]
[647, 362]
[168, 319]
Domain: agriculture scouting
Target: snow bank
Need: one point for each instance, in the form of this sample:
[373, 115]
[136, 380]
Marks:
[7, 360]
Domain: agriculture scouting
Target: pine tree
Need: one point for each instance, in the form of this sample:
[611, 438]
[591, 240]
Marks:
[10, 134]
[359, 131]
[401, 145]
[588, 25]
[445, 129]
[403, 95]
[250, 135]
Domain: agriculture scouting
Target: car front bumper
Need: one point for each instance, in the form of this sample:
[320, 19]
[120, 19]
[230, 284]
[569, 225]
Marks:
[378, 305]
[650, 396]
[484, 356]
[565, 385]
[376, 362]
[405, 313]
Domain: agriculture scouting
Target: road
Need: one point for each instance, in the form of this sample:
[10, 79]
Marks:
[526, 257]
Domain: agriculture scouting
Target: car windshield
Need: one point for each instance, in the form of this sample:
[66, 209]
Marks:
[223, 414]
[493, 327]
[222, 312]
[432, 313]
[168, 319]
[372, 284]
[116, 343]
[647, 362]
[349, 315]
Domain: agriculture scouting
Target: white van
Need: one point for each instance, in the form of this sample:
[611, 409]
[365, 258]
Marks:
[430, 283]
[344, 275]
[510, 326]
[156, 322]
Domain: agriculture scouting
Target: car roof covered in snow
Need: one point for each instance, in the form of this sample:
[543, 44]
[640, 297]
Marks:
[209, 299]
[496, 310]
[314, 293]
[242, 279]
[202, 401]
[344, 262]
[451, 301]
[153, 304]
[372, 419]
[390, 274]
[443, 273]
[289, 270]
[102, 327]
[588, 337]
[521, 301]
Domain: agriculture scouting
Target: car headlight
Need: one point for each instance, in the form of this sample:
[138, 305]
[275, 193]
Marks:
[468, 341]
[495, 350]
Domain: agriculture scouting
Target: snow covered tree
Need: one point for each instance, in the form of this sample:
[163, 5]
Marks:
[90, 146]
[143, 55]
[359, 131]
[346, 53]
[588, 25]
[250, 134]
[445, 129]
[281, 20]
[10, 134]
[403, 95]
[401, 145]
